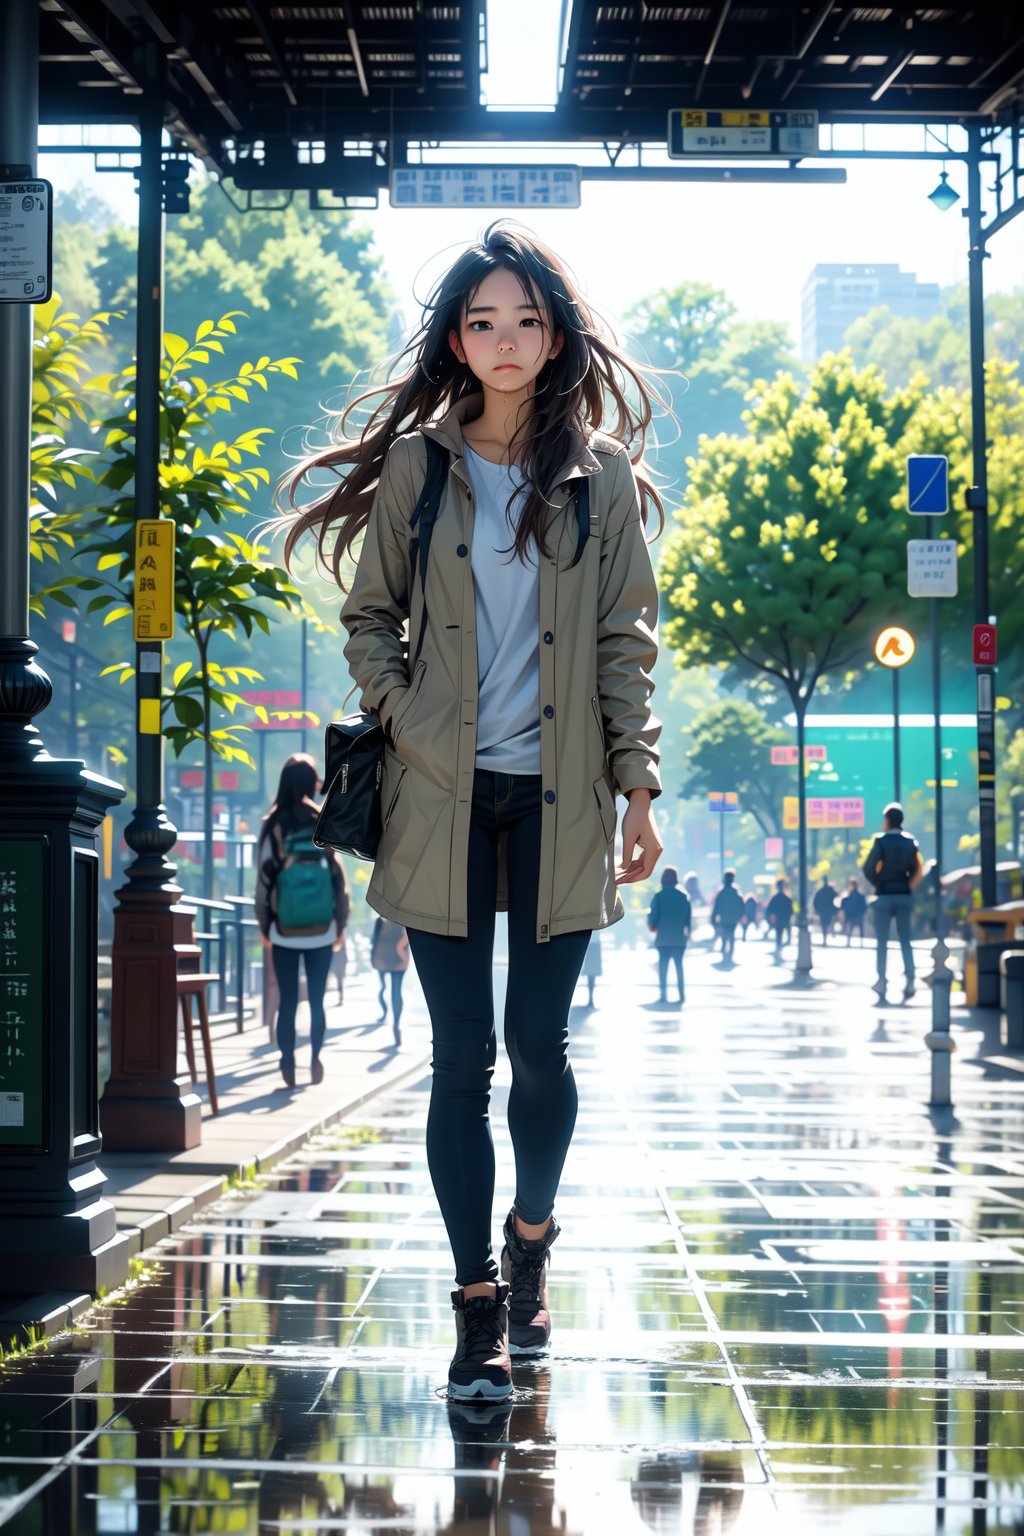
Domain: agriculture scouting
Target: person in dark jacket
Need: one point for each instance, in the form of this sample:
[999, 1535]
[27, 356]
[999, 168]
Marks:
[778, 914]
[285, 842]
[853, 907]
[669, 920]
[825, 906]
[894, 868]
[727, 912]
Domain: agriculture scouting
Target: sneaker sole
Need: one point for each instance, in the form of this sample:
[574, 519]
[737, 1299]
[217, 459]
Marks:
[529, 1349]
[480, 1388]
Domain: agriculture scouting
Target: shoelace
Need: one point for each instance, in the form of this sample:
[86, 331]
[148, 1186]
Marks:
[482, 1330]
[526, 1273]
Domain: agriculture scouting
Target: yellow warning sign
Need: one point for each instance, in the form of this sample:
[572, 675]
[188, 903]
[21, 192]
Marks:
[154, 579]
[894, 647]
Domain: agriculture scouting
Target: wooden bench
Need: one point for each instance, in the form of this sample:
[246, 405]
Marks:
[194, 984]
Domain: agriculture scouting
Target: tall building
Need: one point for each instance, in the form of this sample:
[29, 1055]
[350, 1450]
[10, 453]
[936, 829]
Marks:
[837, 293]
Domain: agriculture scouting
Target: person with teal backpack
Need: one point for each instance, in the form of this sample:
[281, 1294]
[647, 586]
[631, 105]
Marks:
[302, 906]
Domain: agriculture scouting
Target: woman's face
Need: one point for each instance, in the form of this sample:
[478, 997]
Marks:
[504, 338]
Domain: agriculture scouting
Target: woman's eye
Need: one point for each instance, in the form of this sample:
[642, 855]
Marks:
[479, 325]
[530, 322]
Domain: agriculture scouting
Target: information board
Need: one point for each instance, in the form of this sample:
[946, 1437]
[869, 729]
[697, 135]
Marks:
[485, 186]
[26, 241]
[931, 567]
[823, 815]
[741, 134]
[154, 579]
[22, 918]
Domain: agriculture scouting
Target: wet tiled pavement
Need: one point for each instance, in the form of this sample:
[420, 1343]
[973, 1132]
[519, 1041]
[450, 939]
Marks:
[786, 1299]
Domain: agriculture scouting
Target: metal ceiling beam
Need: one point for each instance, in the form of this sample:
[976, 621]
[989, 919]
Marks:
[263, 27]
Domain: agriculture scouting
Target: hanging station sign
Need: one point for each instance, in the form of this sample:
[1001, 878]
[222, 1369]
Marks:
[740, 134]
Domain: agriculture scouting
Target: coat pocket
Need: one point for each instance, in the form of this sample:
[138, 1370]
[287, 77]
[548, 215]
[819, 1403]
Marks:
[606, 807]
[407, 702]
[394, 777]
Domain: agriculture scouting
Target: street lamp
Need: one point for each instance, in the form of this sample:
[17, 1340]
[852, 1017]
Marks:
[944, 196]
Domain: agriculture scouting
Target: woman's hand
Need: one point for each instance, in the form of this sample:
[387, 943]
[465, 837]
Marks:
[638, 830]
[339, 943]
[265, 940]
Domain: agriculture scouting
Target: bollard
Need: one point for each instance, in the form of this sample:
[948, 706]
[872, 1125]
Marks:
[1011, 966]
[939, 1041]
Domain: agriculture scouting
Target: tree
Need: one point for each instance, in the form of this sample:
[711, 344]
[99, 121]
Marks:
[223, 582]
[714, 361]
[782, 558]
[312, 281]
[939, 346]
[731, 751]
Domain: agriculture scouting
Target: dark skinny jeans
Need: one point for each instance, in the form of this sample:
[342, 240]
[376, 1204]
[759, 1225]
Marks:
[457, 980]
[670, 954]
[286, 969]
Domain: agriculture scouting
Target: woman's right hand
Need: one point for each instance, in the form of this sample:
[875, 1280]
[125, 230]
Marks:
[266, 941]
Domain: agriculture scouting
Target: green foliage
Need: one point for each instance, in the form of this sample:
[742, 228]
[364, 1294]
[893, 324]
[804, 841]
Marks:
[790, 547]
[715, 361]
[731, 750]
[63, 388]
[938, 347]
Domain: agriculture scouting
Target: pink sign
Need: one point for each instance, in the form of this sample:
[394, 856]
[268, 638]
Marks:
[773, 848]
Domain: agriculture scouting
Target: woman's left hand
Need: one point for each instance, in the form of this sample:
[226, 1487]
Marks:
[639, 829]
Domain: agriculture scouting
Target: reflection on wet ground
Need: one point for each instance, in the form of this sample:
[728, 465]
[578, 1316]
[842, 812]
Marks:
[785, 1299]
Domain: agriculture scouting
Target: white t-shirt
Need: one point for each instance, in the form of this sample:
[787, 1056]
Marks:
[507, 622]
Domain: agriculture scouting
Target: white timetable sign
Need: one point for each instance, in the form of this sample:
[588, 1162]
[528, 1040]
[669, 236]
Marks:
[485, 186]
[26, 241]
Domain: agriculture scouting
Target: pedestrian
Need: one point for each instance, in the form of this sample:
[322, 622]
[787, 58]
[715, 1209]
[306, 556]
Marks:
[728, 910]
[753, 913]
[893, 867]
[592, 965]
[825, 898]
[853, 907]
[302, 907]
[669, 920]
[691, 886]
[526, 712]
[389, 956]
[778, 915]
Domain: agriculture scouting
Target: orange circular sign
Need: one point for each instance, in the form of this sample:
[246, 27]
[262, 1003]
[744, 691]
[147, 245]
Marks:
[894, 647]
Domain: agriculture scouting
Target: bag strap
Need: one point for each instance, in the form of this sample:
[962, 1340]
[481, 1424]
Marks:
[422, 523]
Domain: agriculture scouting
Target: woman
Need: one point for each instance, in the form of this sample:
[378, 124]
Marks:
[389, 956]
[527, 710]
[302, 906]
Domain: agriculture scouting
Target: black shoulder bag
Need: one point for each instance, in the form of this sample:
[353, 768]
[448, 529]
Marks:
[351, 820]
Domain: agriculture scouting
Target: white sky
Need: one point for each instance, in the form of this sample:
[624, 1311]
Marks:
[758, 243]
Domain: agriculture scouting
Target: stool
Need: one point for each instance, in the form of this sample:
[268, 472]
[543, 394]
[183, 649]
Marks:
[194, 984]
[1011, 965]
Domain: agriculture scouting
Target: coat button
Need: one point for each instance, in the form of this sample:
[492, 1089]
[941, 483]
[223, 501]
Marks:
[549, 638]
[549, 796]
[549, 713]
[462, 551]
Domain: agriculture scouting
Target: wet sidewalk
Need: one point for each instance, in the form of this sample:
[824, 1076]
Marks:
[786, 1299]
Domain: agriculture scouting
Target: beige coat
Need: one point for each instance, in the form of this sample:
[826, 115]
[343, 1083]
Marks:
[598, 627]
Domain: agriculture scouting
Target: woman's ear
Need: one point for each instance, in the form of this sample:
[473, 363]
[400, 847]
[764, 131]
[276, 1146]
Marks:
[456, 345]
[556, 345]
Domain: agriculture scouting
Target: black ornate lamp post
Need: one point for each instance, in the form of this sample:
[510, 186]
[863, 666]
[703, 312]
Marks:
[57, 1232]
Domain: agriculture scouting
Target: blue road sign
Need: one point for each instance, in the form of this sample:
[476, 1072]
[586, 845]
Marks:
[928, 484]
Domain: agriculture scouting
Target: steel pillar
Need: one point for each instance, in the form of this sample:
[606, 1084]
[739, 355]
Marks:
[146, 1103]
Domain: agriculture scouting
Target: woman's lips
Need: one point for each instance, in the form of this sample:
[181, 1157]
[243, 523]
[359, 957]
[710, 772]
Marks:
[501, 368]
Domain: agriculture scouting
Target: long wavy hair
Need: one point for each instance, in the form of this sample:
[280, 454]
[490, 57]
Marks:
[295, 790]
[587, 384]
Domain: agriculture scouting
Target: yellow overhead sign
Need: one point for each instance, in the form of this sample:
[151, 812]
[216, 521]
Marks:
[154, 579]
[894, 647]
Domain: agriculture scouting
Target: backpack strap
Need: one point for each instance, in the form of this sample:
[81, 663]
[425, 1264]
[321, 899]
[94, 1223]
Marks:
[582, 519]
[422, 523]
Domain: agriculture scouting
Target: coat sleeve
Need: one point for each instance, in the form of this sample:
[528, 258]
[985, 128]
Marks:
[266, 866]
[627, 637]
[376, 610]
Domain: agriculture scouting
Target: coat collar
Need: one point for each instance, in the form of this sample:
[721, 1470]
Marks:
[448, 432]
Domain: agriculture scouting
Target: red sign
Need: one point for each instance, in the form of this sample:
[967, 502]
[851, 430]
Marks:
[784, 757]
[191, 778]
[226, 778]
[984, 645]
[274, 698]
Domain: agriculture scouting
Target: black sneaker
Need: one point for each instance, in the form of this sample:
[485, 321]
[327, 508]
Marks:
[524, 1265]
[480, 1366]
[908, 991]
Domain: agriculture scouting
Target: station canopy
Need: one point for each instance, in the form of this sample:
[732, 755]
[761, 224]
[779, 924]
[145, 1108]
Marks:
[255, 72]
